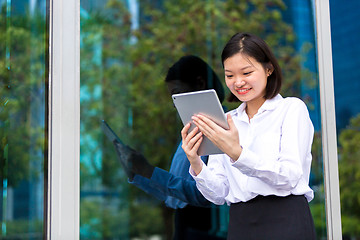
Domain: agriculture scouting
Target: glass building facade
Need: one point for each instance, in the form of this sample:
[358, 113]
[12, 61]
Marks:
[124, 59]
[345, 31]
[125, 48]
[23, 119]
[345, 37]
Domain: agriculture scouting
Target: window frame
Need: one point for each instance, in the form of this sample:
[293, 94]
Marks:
[63, 208]
[328, 122]
[64, 120]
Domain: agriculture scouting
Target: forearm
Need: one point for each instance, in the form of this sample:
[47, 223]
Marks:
[212, 183]
[181, 188]
[144, 184]
[275, 170]
[196, 165]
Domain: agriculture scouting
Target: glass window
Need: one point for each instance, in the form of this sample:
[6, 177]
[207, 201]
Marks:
[127, 48]
[23, 118]
[345, 31]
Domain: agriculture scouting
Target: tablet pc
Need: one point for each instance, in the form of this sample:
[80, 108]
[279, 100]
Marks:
[111, 135]
[204, 102]
[119, 147]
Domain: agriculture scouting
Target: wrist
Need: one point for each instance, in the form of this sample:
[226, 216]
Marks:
[197, 166]
[236, 153]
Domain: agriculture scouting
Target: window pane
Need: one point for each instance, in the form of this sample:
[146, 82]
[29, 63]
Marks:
[23, 116]
[127, 48]
[345, 31]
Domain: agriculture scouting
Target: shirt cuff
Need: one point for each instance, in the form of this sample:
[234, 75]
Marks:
[232, 160]
[160, 179]
[200, 179]
[192, 172]
[247, 162]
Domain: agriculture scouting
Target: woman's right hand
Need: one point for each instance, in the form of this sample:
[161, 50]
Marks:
[190, 143]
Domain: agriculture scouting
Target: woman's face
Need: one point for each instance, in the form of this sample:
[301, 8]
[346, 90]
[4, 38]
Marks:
[246, 78]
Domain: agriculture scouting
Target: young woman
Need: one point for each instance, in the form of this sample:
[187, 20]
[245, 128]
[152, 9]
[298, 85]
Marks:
[264, 172]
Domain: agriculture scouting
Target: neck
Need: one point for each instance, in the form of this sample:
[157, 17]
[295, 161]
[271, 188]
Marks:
[252, 107]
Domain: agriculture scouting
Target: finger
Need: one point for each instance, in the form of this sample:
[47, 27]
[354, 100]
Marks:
[184, 131]
[189, 144]
[194, 139]
[230, 121]
[206, 122]
[200, 123]
[194, 144]
[192, 134]
[206, 125]
[197, 144]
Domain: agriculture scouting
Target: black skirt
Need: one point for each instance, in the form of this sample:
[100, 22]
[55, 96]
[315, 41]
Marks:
[271, 218]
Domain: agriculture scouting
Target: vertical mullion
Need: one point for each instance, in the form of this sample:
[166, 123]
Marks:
[327, 101]
[47, 162]
[64, 120]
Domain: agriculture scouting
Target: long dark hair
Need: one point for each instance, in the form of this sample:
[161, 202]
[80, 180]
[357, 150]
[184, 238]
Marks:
[189, 68]
[255, 47]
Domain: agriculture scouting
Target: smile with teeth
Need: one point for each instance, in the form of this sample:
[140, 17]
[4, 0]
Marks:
[243, 90]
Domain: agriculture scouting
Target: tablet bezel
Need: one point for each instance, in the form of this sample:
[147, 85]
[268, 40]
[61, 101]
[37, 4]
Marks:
[205, 102]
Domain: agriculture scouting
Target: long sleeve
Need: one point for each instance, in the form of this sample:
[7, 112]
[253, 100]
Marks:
[286, 153]
[144, 184]
[179, 190]
[180, 186]
[176, 187]
[275, 160]
[212, 181]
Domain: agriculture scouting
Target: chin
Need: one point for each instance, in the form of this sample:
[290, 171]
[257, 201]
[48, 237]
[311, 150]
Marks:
[242, 98]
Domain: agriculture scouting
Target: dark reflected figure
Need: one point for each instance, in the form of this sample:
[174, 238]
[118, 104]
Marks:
[193, 218]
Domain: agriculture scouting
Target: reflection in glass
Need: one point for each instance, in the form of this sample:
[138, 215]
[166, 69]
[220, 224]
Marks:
[126, 50]
[23, 72]
[345, 33]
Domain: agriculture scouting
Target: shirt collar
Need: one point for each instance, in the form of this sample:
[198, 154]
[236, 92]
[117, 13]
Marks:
[269, 104]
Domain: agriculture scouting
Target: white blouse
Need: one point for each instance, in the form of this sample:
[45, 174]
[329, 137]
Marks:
[275, 160]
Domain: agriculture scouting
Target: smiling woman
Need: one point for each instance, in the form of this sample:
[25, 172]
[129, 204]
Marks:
[246, 78]
[255, 58]
[277, 175]
[252, 72]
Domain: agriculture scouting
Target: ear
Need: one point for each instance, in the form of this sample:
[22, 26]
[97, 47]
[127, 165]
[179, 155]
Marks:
[269, 69]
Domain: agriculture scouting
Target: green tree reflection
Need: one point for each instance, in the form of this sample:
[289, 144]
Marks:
[349, 175]
[22, 119]
[122, 80]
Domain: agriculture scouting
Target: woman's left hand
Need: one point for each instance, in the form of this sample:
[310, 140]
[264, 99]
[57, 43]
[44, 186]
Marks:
[226, 140]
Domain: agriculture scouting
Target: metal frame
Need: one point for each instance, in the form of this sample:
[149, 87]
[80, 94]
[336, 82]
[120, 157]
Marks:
[327, 102]
[64, 120]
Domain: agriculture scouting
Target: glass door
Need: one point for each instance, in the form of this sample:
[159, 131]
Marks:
[23, 119]
[127, 48]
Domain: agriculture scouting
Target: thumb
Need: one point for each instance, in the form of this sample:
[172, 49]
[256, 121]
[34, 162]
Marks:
[230, 121]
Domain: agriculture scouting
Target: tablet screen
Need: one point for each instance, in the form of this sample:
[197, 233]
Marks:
[206, 103]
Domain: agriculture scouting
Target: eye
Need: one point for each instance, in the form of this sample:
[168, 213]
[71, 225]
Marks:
[247, 73]
[229, 76]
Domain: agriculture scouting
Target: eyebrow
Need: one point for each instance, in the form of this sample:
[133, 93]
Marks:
[249, 66]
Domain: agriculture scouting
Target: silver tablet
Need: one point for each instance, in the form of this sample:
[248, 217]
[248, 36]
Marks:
[111, 135]
[204, 102]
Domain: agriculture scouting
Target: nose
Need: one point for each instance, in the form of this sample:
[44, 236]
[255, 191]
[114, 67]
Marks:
[239, 82]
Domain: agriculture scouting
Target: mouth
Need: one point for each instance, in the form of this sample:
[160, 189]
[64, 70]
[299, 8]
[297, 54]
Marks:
[243, 90]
